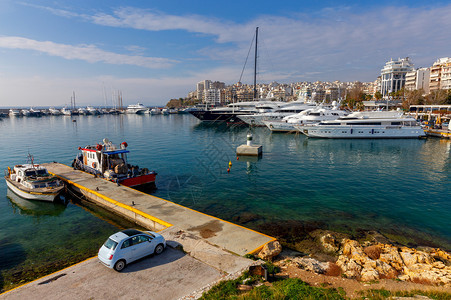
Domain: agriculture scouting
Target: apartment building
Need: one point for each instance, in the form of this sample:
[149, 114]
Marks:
[393, 75]
[440, 77]
[418, 79]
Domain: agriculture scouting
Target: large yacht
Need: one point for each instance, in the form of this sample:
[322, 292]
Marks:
[136, 109]
[231, 112]
[284, 110]
[366, 125]
[309, 116]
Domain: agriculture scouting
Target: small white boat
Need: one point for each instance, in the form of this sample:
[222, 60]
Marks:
[82, 111]
[14, 112]
[54, 112]
[65, 111]
[92, 111]
[155, 111]
[25, 112]
[33, 182]
[165, 111]
[136, 109]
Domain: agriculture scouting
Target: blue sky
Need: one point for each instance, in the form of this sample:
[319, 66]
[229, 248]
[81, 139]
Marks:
[153, 51]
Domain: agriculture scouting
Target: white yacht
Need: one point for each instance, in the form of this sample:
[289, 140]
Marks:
[54, 111]
[14, 112]
[25, 112]
[92, 111]
[82, 111]
[366, 125]
[65, 111]
[155, 111]
[136, 109]
[284, 110]
[309, 116]
[165, 111]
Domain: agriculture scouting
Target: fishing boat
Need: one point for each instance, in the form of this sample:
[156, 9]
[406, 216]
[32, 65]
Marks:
[108, 161]
[32, 181]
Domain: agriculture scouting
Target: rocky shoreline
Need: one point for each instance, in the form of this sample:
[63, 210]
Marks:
[367, 261]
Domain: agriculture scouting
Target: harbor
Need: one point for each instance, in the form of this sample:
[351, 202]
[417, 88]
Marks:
[197, 196]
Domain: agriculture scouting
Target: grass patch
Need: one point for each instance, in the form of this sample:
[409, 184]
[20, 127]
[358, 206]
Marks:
[382, 294]
[292, 288]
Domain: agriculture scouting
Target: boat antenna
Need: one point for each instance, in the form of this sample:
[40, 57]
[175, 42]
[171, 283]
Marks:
[255, 64]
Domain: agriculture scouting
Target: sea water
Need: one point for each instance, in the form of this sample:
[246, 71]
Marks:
[396, 187]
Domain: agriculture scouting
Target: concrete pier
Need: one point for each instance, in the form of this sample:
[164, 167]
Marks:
[157, 214]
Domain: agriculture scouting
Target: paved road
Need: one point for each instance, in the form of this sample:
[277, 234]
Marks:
[170, 275]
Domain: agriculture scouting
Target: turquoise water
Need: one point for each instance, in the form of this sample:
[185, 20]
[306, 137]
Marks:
[400, 187]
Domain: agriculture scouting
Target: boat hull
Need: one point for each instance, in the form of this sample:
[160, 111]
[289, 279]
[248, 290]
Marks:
[362, 132]
[279, 126]
[138, 181]
[30, 195]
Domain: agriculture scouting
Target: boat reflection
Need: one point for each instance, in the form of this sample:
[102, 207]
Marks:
[35, 208]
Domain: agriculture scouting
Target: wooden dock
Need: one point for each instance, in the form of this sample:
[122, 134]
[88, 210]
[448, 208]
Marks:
[157, 214]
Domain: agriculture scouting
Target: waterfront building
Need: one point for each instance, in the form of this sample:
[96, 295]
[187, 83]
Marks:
[440, 77]
[212, 96]
[418, 79]
[393, 75]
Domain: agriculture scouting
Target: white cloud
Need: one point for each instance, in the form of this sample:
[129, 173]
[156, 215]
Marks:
[89, 53]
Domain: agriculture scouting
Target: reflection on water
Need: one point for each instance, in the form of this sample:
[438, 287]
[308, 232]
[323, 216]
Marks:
[35, 208]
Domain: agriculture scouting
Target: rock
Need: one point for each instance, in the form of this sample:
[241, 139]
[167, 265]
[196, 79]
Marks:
[407, 257]
[386, 261]
[270, 250]
[373, 252]
[369, 274]
[244, 287]
[311, 264]
[328, 242]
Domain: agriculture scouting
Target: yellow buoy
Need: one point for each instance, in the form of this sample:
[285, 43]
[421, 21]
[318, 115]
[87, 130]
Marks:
[230, 164]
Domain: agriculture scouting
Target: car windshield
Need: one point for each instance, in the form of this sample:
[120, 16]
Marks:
[110, 244]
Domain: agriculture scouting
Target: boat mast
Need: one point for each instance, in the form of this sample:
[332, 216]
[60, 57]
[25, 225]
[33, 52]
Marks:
[255, 64]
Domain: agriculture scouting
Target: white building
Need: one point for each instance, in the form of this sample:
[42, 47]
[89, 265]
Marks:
[393, 75]
[418, 79]
[201, 86]
[212, 96]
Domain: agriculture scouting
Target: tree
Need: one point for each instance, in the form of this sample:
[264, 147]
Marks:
[414, 97]
[437, 97]
[378, 95]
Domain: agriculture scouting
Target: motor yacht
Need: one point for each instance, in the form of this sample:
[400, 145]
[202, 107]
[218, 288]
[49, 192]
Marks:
[284, 110]
[136, 109]
[366, 125]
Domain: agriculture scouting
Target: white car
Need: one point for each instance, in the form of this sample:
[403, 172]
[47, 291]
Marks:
[129, 245]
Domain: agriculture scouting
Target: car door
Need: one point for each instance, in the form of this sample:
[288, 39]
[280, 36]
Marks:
[144, 246]
[127, 250]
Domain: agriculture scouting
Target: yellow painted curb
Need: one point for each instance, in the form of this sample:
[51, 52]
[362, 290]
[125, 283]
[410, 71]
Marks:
[159, 221]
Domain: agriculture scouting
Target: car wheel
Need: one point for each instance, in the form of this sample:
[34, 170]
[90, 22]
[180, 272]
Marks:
[159, 248]
[119, 265]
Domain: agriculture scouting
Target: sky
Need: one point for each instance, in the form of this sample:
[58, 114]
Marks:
[153, 51]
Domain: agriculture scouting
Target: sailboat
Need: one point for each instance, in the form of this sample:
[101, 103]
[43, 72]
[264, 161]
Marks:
[230, 113]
